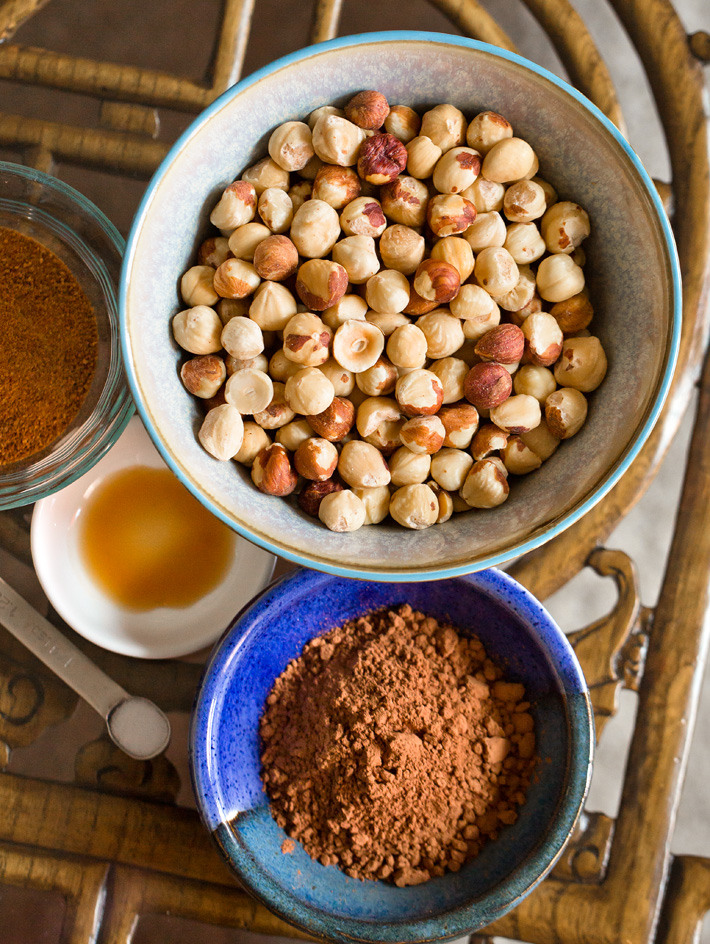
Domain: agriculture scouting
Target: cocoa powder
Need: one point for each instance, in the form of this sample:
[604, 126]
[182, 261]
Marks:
[394, 749]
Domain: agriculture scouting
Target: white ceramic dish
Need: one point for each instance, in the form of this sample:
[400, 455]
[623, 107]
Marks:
[153, 634]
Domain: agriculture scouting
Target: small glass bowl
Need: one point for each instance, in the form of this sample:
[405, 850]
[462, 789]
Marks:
[61, 219]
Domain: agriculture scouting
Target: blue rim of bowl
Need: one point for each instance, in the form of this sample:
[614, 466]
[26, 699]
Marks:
[544, 533]
[459, 921]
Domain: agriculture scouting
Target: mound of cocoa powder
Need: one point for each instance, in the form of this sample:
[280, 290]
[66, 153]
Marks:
[393, 748]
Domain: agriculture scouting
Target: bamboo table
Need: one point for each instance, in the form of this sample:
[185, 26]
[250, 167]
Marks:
[114, 843]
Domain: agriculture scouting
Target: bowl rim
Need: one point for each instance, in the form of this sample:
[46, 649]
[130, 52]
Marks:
[543, 533]
[461, 920]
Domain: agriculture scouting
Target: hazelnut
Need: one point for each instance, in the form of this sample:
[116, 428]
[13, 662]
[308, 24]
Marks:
[550, 192]
[337, 186]
[541, 440]
[544, 339]
[273, 306]
[281, 368]
[405, 201]
[316, 459]
[504, 344]
[228, 308]
[348, 308]
[443, 332]
[233, 364]
[582, 363]
[524, 242]
[198, 330]
[276, 209]
[487, 129]
[272, 472]
[264, 174]
[362, 465]
[204, 375]
[449, 213]
[407, 346]
[403, 122]
[419, 393]
[309, 391]
[315, 229]
[486, 485]
[422, 157]
[418, 305]
[485, 195]
[409, 468]
[496, 271]
[524, 202]
[487, 230]
[573, 314]
[357, 345]
[488, 439]
[564, 226]
[275, 258]
[517, 414]
[236, 206]
[508, 160]
[236, 278]
[290, 145]
[522, 295]
[335, 422]
[255, 439]
[457, 252]
[343, 380]
[518, 458]
[558, 278]
[342, 511]
[579, 256]
[387, 437]
[402, 248]
[382, 158]
[378, 380]
[445, 125]
[367, 110]
[337, 140]
[376, 502]
[373, 412]
[565, 412]
[449, 468]
[321, 283]
[294, 433]
[242, 338]
[322, 112]
[310, 171]
[244, 240]
[477, 309]
[278, 413]
[213, 251]
[467, 351]
[452, 372]
[487, 385]
[387, 291]
[387, 322]
[358, 257]
[415, 506]
[423, 435]
[456, 170]
[313, 494]
[222, 432]
[197, 286]
[249, 390]
[534, 169]
[363, 217]
[538, 382]
[436, 281]
[300, 193]
[307, 340]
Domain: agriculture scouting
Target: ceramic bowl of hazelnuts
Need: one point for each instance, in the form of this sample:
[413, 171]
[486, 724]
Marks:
[406, 331]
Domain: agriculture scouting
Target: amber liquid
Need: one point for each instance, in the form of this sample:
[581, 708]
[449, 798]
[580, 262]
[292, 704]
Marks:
[148, 543]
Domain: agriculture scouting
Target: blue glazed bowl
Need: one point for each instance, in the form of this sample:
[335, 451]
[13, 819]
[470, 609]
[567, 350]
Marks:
[632, 271]
[224, 753]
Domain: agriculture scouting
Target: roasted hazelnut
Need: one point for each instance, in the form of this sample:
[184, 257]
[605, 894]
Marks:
[264, 174]
[255, 439]
[236, 206]
[204, 375]
[456, 170]
[367, 110]
[310, 171]
[336, 421]
[518, 458]
[290, 145]
[198, 330]
[362, 465]
[322, 112]
[582, 363]
[414, 506]
[387, 291]
[487, 230]
[558, 278]
[405, 201]
[343, 380]
[534, 169]
[524, 242]
[495, 271]
[477, 309]
[579, 256]
[538, 382]
[376, 501]
[564, 226]
[565, 412]
[249, 390]
[449, 468]
[487, 129]
[316, 459]
[309, 391]
[505, 344]
[358, 257]
[242, 338]
[281, 368]
[446, 504]
[357, 345]
[294, 433]
[197, 286]
[337, 140]
[452, 372]
[381, 159]
[337, 186]
[342, 511]
[457, 252]
[373, 412]
[386, 437]
[409, 468]
[222, 432]
[443, 333]
[419, 393]
[307, 340]
[363, 217]
[244, 240]
[278, 413]
[276, 209]
[486, 195]
[573, 314]
[407, 346]
[521, 296]
[272, 307]
[467, 351]
[486, 485]
[422, 434]
[228, 308]
[272, 472]
[524, 202]
[309, 500]
[550, 192]
[435, 280]
[403, 122]
[299, 193]
[541, 440]
[508, 160]
[445, 125]
[402, 248]
[275, 258]
[213, 251]
[233, 364]
[236, 278]
[422, 157]
[517, 414]
[449, 213]
[487, 385]
[387, 322]
[348, 308]
[544, 339]
[489, 439]
[321, 283]
[378, 380]
[315, 229]
[532, 307]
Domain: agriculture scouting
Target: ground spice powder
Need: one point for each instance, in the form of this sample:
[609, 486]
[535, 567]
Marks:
[393, 748]
[48, 346]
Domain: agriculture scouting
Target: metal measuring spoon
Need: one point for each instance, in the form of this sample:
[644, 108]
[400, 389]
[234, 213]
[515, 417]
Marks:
[135, 724]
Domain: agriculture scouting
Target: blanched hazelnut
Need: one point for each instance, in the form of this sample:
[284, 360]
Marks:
[488, 229]
[348, 308]
[496, 271]
[565, 412]
[342, 511]
[222, 432]
[564, 226]
[363, 217]
[446, 504]
[242, 338]
[449, 468]
[204, 375]
[486, 195]
[487, 129]
[198, 330]
[335, 422]
[249, 390]
[337, 186]
[518, 458]
[387, 322]
[573, 314]
[381, 159]
[405, 201]
[387, 291]
[307, 340]
[579, 256]
[376, 501]
[309, 500]
[273, 306]
[477, 309]
[508, 160]
[321, 283]
[228, 308]
[373, 412]
[315, 229]
[299, 193]
[343, 380]
[538, 382]
[362, 465]
[524, 202]
[294, 433]
[378, 380]
[541, 440]
[387, 436]
[518, 414]
[524, 242]
[436, 280]
[276, 209]
[550, 192]
[236, 206]
[310, 171]
[197, 286]
[245, 239]
[403, 122]
[275, 258]
[278, 413]
[233, 364]
[402, 248]
[408, 467]
[368, 110]
[422, 156]
[281, 368]
[487, 385]
[449, 213]
[544, 339]
[357, 345]
[316, 459]
[456, 170]
[445, 125]
[534, 169]
[488, 439]
[213, 251]
[582, 364]
[322, 112]
[358, 257]
[309, 391]
[443, 332]
[415, 506]
[255, 439]
[519, 297]
[272, 472]
[419, 393]
[290, 145]
[423, 435]
[452, 372]
[505, 344]
[558, 278]
[264, 174]
[533, 306]
[457, 252]
[486, 486]
[236, 278]
[337, 140]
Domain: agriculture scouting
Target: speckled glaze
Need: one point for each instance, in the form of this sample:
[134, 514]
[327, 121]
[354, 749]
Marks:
[224, 755]
[632, 269]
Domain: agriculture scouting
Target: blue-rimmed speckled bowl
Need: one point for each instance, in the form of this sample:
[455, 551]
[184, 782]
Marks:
[224, 751]
[631, 269]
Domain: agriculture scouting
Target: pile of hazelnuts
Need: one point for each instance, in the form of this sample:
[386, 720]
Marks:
[394, 317]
